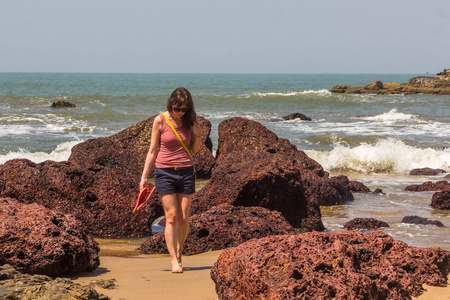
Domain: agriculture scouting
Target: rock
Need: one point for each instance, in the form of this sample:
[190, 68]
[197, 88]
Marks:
[58, 104]
[38, 240]
[126, 151]
[437, 85]
[297, 115]
[17, 286]
[441, 200]
[365, 223]
[429, 186]
[421, 221]
[358, 187]
[331, 265]
[426, 171]
[447, 177]
[378, 191]
[101, 197]
[222, 227]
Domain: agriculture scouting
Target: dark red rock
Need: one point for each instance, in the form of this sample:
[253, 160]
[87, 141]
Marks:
[126, 151]
[102, 198]
[429, 186]
[38, 240]
[297, 115]
[222, 227]
[378, 191]
[358, 187]
[421, 221]
[365, 223]
[441, 200]
[426, 171]
[331, 265]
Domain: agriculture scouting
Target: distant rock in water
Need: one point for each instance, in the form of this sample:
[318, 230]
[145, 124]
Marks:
[426, 171]
[441, 200]
[429, 186]
[437, 85]
[421, 221]
[365, 223]
[296, 116]
[60, 103]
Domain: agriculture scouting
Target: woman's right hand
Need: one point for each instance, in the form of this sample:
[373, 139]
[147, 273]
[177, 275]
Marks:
[143, 184]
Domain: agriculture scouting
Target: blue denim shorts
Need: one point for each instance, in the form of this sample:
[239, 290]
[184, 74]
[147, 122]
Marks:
[175, 181]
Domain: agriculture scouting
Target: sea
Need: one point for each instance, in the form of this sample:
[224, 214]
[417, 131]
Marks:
[374, 139]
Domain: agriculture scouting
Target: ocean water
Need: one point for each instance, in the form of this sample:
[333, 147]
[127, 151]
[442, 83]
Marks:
[376, 139]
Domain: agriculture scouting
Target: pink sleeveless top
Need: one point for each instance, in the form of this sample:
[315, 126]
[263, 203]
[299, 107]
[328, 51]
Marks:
[171, 153]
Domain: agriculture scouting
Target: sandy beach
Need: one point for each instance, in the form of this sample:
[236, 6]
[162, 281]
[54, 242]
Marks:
[149, 277]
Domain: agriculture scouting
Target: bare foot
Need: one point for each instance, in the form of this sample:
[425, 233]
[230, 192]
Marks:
[176, 268]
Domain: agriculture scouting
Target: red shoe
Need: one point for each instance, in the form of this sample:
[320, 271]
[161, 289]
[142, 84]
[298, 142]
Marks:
[143, 197]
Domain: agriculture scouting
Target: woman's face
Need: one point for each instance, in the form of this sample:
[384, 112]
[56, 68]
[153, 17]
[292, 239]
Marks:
[180, 110]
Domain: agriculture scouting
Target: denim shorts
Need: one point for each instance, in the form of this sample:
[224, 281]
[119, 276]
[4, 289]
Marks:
[175, 181]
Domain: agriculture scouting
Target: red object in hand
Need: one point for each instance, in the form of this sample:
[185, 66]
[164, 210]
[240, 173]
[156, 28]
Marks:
[143, 197]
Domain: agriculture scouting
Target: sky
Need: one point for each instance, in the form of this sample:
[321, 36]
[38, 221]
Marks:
[233, 36]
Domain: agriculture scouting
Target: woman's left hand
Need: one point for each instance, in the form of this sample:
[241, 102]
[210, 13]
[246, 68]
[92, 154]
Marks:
[197, 130]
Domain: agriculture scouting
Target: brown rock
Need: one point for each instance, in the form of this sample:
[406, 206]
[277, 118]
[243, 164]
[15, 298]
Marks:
[37, 240]
[359, 187]
[331, 265]
[297, 115]
[421, 221]
[126, 151]
[60, 103]
[441, 200]
[426, 171]
[102, 198]
[429, 186]
[365, 223]
[222, 227]
[374, 86]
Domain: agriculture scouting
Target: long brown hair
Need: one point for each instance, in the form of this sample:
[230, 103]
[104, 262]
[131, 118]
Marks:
[179, 97]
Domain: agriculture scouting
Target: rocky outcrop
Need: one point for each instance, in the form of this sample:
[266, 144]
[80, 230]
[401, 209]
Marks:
[222, 227]
[101, 197]
[426, 171]
[38, 240]
[365, 223]
[429, 186]
[297, 115]
[18, 286]
[60, 103]
[332, 265]
[358, 187]
[126, 151]
[441, 200]
[421, 221]
[437, 85]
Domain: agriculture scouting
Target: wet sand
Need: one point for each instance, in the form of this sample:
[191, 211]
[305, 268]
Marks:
[150, 277]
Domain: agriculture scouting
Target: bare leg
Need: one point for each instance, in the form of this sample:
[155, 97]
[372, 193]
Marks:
[171, 230]
[184, 208]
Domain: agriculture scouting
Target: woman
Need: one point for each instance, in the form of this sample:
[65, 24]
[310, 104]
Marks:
[174, 171]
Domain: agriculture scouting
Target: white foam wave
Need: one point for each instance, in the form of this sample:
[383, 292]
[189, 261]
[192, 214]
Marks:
[61, 153]
[391, 116]
[386, 156]
[289, 94]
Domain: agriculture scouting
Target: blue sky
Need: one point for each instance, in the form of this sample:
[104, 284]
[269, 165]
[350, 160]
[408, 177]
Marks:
[196, 36]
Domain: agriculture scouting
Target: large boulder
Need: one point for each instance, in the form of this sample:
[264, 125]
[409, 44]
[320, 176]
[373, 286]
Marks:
[441, 200]
[332, 265]
[365, 223]
[222, 227]
[421, 221]
[443, 185]
[101, 197]
[426, 171]
[38, 240]
[126, 150]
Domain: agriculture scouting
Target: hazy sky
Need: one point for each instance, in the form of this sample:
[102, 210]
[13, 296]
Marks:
[233, 36]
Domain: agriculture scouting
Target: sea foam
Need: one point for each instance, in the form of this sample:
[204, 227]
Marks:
[386, 156]
[392, 116]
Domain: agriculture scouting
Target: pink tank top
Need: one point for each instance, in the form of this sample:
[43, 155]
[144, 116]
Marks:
[171, 153]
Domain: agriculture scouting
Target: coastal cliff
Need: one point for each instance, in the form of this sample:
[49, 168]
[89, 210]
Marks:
[437, 85]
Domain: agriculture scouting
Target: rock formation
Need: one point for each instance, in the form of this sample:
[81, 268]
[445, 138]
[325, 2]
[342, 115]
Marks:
[38, 240]
[60, 103]
[222, 227]
[365, 223]
[429, 186]
[437, 85]
[421, 221]
[426, 171]
[331, 265]
[126, 151]
[441, 200]
[297, 115]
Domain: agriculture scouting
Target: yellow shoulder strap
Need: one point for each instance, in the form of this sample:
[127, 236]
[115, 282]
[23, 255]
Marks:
[176, 133]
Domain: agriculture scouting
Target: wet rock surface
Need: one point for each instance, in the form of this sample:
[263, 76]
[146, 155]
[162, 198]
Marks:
[17, 286]
[421, 221]
[441, 200]
[126, 151]
[297, 115]
[358, 187]
[101, 197]
[222, 227]
[429, 186]
[38, 240]
[365, 223]
[332, 265]
[437, 85]
[426, 171]
[58, 104]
